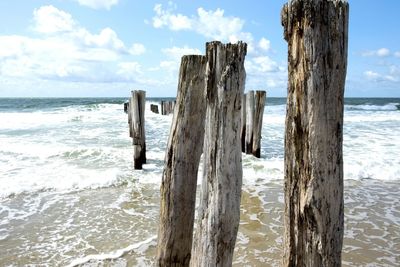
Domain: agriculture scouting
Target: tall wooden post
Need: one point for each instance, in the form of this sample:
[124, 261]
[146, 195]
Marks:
[136, 128]
[243, 123]
[219, 210]
[249, 121]
[179, 181]
[259, 100]
[316, 32]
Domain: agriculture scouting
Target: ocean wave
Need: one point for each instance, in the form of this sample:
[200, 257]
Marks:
[370, 107]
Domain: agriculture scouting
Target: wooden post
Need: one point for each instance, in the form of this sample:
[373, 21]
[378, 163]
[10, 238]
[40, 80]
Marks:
[129, 111]
[163, 108]
[126, 107]
[137, 129]
[167, 107]
[316, 32]
[243, 123]
[173, 106]
[257, 124]
[179, 182]
[249, 121]
[219, 209]
[154, 108]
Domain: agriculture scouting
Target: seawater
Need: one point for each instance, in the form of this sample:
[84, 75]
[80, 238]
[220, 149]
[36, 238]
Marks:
[69, 195]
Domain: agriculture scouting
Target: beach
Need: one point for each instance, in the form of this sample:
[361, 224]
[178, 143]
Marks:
[69, 195]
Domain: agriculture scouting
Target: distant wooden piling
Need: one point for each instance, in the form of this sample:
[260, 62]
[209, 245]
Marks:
[249, 121]
[219, 210]
[137, 127]
[154, 108]
[167, 107]
[126, 107]
[253, 111]
[259, 100]
[179, 180]
[243, 123]
[317, 36]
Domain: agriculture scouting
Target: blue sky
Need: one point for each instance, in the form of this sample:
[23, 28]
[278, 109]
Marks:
[109, 47]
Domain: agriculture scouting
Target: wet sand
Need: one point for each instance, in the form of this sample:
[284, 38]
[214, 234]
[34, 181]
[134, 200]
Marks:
[117, 226]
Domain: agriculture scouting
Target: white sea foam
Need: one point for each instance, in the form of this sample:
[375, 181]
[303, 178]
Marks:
[48, 157]
[140, 246]
[387, 107]
[78, 147]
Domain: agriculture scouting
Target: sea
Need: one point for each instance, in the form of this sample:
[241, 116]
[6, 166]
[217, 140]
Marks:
[69, 195]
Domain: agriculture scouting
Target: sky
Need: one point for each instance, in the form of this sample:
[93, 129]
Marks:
[106, 48]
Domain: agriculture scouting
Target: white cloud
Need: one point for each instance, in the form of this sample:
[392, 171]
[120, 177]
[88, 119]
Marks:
[168, 65]
[173, 22]
[137, 49]
[107, 38]
[171, 65]
[129, 71]
[177, 52]
[393, 76]
[49, 19]
[397, 54]
[382, 52]
[262, 71]
[264, 44]
[369, 74]
[211, 24]
[64, 50]
[98, 4]
[261, 64]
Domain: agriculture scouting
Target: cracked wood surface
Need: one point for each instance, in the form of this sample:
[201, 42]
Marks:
[317, 33]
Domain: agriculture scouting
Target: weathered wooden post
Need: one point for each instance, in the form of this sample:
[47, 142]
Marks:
[219, 209]
[136, 128]
[257, 124]
[185, 146]
[243, 123]
[126, 107]
[167, 107]
[316, 32]
[249, 121]
[162, 108]
[154, 108]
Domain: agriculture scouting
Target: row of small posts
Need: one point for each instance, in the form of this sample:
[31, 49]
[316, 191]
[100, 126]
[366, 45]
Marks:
[207, 120]
[252, 110]
[167, 107]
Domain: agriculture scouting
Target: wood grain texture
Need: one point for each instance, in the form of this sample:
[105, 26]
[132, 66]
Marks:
[219, 209]
[249, 121]
[137, 127]
[259, 103]
[317, 33]
[179, 180]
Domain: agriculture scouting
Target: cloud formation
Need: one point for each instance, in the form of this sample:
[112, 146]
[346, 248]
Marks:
[392, 76]
[212, 24]
[177, 52]
[382, 52]
[262, 71]
[64, 50]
